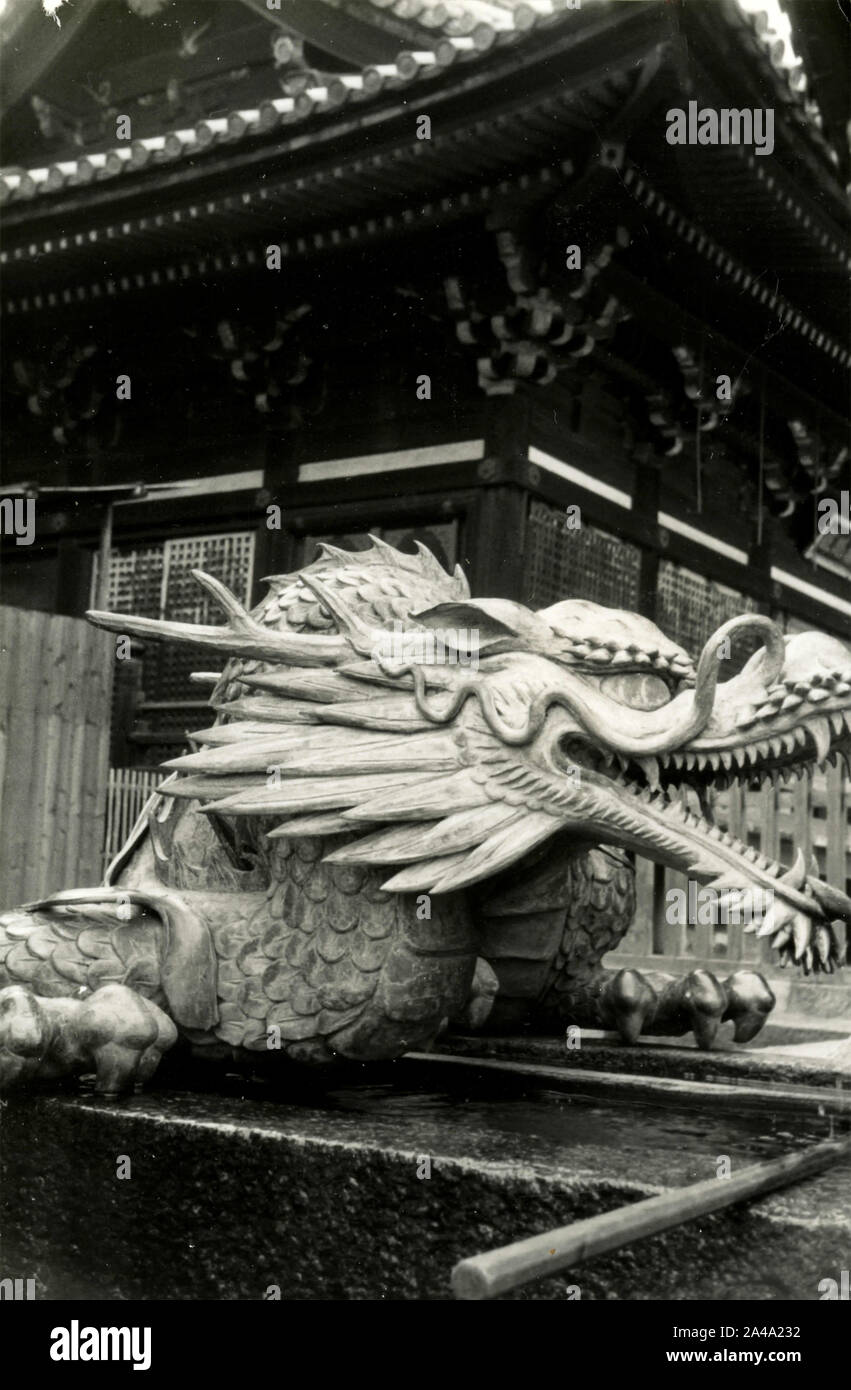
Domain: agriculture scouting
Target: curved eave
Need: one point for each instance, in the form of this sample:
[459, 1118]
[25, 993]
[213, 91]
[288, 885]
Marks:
[442, 46]
[365, 158]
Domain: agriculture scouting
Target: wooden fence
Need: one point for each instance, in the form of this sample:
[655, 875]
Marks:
[55, 685]
[128, 788]
[811, 815]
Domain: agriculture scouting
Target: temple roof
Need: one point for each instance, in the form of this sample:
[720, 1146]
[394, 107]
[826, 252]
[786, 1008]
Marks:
[251, 125]
[196, 81]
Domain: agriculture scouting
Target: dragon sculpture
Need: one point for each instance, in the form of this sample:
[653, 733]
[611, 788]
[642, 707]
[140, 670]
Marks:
[413, 809]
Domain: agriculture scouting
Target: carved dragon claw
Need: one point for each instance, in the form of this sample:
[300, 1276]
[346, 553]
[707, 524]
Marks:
[633, 1004]
[114, 1032]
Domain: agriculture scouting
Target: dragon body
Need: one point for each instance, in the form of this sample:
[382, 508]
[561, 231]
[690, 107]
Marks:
[413, 808]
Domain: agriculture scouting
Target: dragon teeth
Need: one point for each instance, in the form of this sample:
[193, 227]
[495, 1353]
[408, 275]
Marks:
[650, 767]
[820, 734]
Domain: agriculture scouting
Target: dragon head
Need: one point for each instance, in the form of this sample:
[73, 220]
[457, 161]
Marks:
[615, 722]
[478, 729]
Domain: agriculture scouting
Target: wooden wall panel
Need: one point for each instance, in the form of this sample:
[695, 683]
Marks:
[55, 688]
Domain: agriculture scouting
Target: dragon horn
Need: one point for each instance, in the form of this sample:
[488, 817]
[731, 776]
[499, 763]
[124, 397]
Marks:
[242, 636]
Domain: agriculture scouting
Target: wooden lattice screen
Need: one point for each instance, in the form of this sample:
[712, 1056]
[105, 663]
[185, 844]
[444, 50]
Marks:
[585, 563]
[690, 608]
[229, 558]
[156, 582]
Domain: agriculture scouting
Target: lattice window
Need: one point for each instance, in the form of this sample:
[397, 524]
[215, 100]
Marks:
[156, 582]
[585, 563]
[168, 665]
[135, 581]
[226, 557]
[691, 607]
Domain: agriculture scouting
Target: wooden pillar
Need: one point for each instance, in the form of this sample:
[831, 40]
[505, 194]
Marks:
[497, 542]
[273, 547]
[127, 694]
[646, 506]
[498, 525]
[760, 559]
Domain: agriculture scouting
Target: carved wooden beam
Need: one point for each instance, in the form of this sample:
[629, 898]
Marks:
[550, 318]
[273, 364]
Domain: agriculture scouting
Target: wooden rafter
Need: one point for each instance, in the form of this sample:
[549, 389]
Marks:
[328, 27]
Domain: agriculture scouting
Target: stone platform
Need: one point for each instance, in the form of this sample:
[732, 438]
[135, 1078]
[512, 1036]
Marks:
[246, 1186]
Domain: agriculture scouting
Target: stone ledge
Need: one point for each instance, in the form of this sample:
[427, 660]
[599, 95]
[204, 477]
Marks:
[230, 1194]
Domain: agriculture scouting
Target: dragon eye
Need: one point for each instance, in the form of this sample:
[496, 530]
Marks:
[637, 689]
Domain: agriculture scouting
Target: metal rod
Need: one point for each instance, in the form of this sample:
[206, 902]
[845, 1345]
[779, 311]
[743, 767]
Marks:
[498, 1271]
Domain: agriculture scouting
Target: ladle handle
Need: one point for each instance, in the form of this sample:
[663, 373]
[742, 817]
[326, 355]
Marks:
[498, 1271]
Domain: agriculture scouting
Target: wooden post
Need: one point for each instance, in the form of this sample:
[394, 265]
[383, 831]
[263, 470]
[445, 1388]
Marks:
[498, 530]
[646, 504]
[73, 579]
